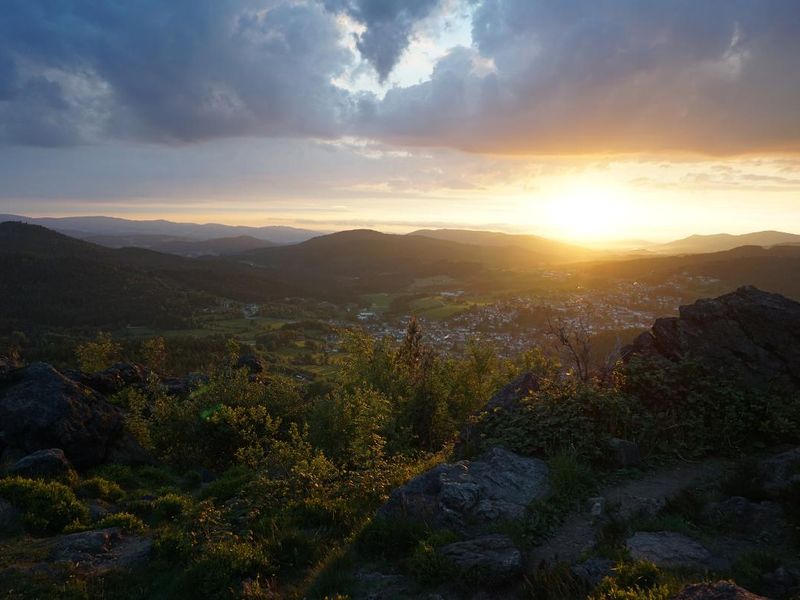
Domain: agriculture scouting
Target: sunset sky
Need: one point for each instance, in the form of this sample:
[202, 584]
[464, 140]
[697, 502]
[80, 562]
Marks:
[586, 120]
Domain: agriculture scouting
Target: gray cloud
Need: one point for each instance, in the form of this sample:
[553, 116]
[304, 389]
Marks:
[584, 76]
[389, 25]
[174, 71]
[542, 77]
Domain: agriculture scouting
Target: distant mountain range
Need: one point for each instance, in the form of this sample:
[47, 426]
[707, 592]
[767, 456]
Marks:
[226, 246]
[48, 279]
[544, 248]
[110, 227]
[697, 244]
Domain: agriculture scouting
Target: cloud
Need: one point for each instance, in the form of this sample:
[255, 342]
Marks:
[540, 77]
[609, 76]
[388, 26]
[176, 71]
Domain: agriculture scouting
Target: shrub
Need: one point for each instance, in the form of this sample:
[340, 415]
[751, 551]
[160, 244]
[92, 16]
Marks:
[47, 507]
[98, 487]
[171, 506]
[428, 567]
[230, 483]
[390, 538]
[125, 520]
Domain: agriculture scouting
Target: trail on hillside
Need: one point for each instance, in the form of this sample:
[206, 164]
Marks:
[578, 532]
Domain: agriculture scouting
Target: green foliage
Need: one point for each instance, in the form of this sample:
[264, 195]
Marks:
[98, 487]
[47, 506]
[428, 567]
[126, 520]
[556, 582]
[562, 417]
[171, 506]
[641, 580]
[694, 412]
[227, 485]
[98, 354]
[350, 426]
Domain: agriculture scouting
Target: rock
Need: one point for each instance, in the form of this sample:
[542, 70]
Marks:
[98, 509]
[507, 399]
[781, 583]
[624, 453]
[669, 549]
[43, 464]
[10, 519]
[781, 472]
[596, 507]
[593, 570]
[749, 335]
[746, 516]
[101, 550]
[493, 559]
[722, 590]
[113, 379]
[40, 408]
[465, 495]
[179, 386]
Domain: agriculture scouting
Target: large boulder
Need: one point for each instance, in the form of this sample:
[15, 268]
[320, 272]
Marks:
[465, 495]
[492, 559]
[722, 590]
[671, 550]
[40, 408]
[43, 464]
[750, 335]
[101, 550]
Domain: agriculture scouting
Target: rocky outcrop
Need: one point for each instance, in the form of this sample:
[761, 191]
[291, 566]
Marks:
[722, 590]
[750, 335]
[781, 472]
[490, 559]
[43, 464]
[113, 379]
[40, 408]
[466, 495]
[670, 550]
[101, 550]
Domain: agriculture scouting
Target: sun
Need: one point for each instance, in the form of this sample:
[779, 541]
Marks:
[588, 213]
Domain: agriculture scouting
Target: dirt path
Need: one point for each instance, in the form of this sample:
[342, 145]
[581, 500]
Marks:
[577, 534]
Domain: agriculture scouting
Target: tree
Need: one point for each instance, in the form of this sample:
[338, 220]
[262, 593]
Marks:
[99, 353]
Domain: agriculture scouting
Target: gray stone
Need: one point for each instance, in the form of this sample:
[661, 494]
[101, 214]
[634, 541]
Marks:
[669, 549]
[722, 590]
[490, 558]
[747, 516]
[593, 570]
[781, 472]
[596, 507]
[41, 408]
[44, 464]
[749, 335]
[462, 496]
[625, 453]
[101, 549]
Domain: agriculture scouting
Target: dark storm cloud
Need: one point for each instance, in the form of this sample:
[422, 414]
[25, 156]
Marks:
[388, 27]
[181, 70]
[717, 76]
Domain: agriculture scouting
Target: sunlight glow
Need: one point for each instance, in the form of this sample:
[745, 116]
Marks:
[588, 211]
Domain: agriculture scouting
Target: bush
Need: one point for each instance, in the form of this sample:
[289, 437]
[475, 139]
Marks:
[47, 507]
[98, 487]
[230, 483]
[171, 506]
[125, 520]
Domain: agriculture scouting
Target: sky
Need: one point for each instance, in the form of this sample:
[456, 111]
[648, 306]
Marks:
[586, 120]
